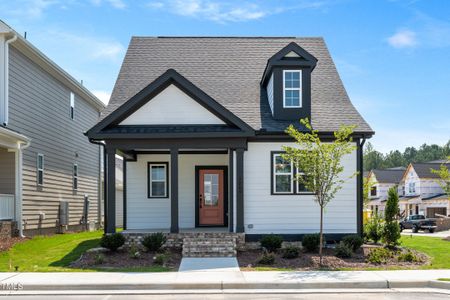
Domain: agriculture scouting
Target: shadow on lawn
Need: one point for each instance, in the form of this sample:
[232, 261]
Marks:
[75, 253]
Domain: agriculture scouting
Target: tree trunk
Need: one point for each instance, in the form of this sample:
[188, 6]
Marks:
[321, 235]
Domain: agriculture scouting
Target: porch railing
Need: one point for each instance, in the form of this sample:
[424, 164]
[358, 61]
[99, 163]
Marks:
[6, 207]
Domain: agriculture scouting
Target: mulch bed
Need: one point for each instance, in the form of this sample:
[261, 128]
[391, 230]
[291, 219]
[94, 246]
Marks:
[248, 260]
[6, 244]
[123, 259]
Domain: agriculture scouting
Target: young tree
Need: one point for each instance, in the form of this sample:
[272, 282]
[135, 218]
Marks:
[391, 235]
[320, 162]
[367, 186]
[444, 177]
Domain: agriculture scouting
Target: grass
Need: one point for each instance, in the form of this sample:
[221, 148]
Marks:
[444, 279]
[436, 248]
[55, 253]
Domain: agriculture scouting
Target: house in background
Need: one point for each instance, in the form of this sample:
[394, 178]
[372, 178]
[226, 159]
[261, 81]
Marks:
[49, 172]
[422, 192]
[381, 182]
[200, 123]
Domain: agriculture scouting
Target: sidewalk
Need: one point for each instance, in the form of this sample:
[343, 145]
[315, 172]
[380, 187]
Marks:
[226, 280]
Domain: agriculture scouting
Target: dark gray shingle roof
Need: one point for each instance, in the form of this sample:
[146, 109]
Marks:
[229, 70]
[423, 170]
[389, 176]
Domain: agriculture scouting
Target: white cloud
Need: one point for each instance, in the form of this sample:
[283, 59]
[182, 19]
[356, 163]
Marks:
[102, 95]
[119, 4]
[404, 38]
[32, 9]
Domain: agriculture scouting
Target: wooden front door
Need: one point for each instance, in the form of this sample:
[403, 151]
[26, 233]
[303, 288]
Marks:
[211, 194]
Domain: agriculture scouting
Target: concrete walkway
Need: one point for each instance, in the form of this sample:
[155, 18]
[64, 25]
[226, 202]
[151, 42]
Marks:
[190, 280]
[440, 234]
[209, 264]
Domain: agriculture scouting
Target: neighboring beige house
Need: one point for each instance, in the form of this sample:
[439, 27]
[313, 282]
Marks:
[422, 193]
[48, 169]
[382, 181]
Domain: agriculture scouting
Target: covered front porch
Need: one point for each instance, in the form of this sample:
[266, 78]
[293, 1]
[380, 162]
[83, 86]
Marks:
[177, 185]
[12, 145]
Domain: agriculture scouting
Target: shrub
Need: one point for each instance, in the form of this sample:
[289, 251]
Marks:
[160, 259]
[112, 241]
[99, 259]
[271, 242]
[391, 234]
[379, 255]
[154, 241]
[291, 252]
[353, 241]
[343, 250]
[374, 229]
[311, 242]
[267, 259]
[133, 251]
[408, 256]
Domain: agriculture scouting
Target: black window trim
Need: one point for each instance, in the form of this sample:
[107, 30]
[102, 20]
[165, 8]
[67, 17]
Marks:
[40, 169]
[294, 182]
[149, 164]
[75, 177]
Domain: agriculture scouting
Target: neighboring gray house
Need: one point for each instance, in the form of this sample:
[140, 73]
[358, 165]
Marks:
[45, 160]
[381, 181]
[200, 123]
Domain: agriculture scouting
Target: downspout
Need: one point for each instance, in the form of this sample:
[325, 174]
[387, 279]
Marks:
[99, 204]
[361, 185]
[19, 165]
[6, 76]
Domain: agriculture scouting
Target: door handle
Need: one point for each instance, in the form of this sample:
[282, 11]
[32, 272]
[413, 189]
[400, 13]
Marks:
[200, 200]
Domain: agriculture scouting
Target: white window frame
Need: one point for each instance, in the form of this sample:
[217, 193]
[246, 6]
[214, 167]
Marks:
[412, 187]
[75, 177]
[299, 89]
[72, 106]
[40, 170]
[274, 174]
[150, 179]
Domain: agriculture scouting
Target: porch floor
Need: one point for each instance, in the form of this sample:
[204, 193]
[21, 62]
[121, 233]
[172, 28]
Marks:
[182, 230]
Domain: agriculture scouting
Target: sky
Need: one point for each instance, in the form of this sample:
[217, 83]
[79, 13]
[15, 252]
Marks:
[393, 56]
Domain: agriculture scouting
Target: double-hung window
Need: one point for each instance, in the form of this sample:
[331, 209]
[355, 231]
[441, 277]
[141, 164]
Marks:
[292, 88]
[158, 179]
[301, 188]
[373, 191]
[412, 187]
[40, 169]
[72, 105]
[75, 177]
[283, 173]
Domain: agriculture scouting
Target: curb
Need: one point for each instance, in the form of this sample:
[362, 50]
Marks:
[243, 286]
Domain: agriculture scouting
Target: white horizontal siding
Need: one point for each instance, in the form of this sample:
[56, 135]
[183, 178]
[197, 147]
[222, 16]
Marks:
[145, 213]
[292, 213]
[171, 106]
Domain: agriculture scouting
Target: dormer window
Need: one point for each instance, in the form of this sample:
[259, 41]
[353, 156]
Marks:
[292, 95]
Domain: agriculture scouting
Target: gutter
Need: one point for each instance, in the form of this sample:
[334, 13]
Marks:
[6, 76]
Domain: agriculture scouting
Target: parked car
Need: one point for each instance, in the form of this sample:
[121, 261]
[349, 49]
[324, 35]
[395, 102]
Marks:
[418, 222]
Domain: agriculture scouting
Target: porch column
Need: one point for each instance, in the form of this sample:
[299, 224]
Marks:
[174, 190]
[230, 189]
[110, 199]
[240, 190]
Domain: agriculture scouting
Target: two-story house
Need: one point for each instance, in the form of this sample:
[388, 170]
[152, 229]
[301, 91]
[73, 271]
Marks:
[422, 193]
[49, 172]
[380, 183]
[201, 123]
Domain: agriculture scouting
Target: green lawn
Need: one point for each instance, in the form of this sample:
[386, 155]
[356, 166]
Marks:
[444, 279]
[436, 248]
[55, 253]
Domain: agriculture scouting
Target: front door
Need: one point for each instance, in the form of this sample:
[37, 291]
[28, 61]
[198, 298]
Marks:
[211, 194]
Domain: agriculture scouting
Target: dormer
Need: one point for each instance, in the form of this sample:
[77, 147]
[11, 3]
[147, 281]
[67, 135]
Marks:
[287, 81]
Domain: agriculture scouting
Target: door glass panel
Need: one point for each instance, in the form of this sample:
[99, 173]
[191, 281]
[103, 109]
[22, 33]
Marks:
[211, 189]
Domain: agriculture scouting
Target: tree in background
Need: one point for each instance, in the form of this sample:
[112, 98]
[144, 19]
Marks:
[391, 232]
[320, 163]
[444, 177]
[367, 186]
[376, 160]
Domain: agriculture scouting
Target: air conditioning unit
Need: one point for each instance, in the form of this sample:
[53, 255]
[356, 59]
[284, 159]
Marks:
[64, 213]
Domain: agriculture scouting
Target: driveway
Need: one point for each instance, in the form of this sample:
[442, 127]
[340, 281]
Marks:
[441, 234]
